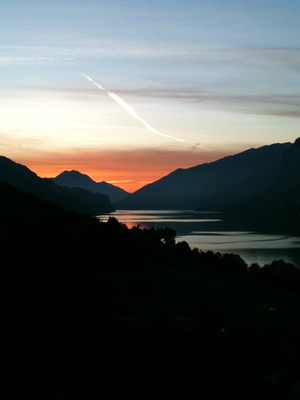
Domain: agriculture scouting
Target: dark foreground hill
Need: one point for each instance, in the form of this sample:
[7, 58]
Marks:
[95, 310]
[255, 183]
[74, 179]
[76, 199]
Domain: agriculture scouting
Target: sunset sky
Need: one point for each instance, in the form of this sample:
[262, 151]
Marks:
[211, 78]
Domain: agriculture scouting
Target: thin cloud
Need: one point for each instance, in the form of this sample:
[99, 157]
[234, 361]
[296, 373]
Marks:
[269, 104]
[198, 54]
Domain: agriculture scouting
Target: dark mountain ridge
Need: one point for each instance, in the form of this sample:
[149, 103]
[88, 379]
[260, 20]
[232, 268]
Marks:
[74, 179]
[76, 199]
[256, 181]
[198, 186]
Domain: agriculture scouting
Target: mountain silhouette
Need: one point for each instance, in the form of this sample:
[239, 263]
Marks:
[76, 199]
[73, 179]
[265, 178]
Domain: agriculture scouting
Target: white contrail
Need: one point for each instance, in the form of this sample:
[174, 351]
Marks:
[122, 103]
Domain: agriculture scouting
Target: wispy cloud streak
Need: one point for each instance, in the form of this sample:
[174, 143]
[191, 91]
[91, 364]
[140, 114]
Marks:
[122, 103]
[289, 56]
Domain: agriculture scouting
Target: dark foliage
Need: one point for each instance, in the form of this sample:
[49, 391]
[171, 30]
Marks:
[97, 310]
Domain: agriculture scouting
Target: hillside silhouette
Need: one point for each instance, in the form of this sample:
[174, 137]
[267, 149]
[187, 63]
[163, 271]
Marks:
[73, 179]
[97, 310]
[76, 199]
[261, 184]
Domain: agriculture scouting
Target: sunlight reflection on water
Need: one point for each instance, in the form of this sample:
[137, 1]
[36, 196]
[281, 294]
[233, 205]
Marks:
[204, 231]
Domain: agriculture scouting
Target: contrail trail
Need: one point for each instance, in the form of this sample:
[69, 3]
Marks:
[122, 103]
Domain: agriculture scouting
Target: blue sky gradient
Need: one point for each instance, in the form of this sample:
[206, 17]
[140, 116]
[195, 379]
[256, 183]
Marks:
[221, 74]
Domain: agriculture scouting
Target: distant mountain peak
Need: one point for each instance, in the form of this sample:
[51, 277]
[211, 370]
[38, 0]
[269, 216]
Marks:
[22, 178]
[74, 175]
[75, 178]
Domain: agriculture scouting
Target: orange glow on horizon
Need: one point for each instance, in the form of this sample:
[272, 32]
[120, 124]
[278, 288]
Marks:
[129, 170]
[130, 225]
[113, 177]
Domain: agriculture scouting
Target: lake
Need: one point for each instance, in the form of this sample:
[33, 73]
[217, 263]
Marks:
[209, 231]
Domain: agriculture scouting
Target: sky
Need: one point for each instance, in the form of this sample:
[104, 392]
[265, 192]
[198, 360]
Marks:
[173, 83]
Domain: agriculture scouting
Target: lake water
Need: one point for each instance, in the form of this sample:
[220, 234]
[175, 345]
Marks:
[208, 231]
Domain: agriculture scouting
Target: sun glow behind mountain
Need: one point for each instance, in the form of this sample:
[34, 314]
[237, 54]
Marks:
[143, 166]
[179, 78]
